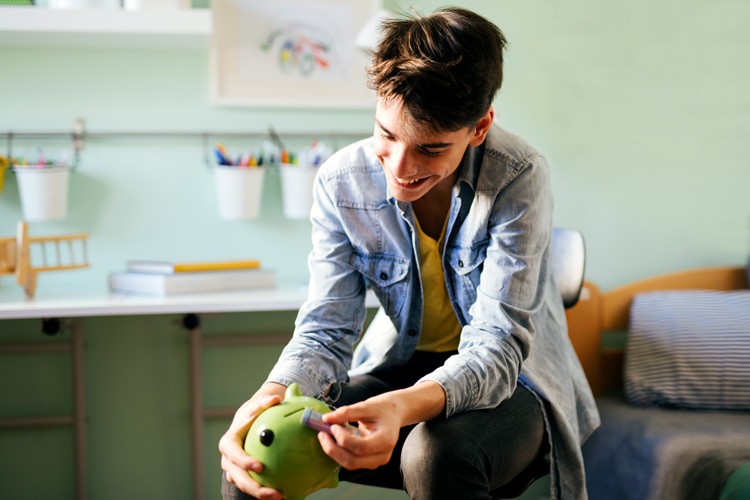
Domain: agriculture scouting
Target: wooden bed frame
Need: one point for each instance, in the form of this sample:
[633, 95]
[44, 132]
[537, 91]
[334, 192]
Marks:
[597, 312]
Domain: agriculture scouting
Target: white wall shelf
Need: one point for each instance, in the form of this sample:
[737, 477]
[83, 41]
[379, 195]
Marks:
[93, 28]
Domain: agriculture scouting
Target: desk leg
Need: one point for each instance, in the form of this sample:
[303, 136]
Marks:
[78, 418]
[79, 411]
[196, 399]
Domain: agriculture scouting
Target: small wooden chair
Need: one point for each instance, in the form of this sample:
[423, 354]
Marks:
[15, 256]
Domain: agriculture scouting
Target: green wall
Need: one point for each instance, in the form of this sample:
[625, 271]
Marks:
[641, 108]
[144, 197]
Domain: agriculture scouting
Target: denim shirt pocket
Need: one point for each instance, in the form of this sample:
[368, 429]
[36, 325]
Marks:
[386, 275]
[467, 263]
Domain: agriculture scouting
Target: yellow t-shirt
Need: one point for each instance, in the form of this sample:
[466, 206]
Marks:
[440, 327]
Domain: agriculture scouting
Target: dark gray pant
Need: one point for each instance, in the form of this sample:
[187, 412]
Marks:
[477, 454]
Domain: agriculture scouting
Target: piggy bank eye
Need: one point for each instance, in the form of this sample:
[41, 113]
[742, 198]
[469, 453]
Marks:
[266, 437]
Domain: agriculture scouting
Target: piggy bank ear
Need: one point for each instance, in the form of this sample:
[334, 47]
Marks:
[293, 391]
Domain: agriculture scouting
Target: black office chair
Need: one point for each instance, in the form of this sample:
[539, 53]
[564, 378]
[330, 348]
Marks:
[568, 263]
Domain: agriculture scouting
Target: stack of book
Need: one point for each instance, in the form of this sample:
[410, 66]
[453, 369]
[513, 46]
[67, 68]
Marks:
[167, 278]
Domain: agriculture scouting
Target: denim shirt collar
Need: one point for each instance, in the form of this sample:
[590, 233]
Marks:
[471, 164]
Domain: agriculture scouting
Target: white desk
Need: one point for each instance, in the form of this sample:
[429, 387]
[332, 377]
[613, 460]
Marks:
[63, 304]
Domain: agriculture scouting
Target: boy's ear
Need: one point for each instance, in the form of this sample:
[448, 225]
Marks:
[482, 127]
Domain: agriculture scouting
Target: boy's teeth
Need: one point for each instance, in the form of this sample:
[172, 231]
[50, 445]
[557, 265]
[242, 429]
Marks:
[406, 181]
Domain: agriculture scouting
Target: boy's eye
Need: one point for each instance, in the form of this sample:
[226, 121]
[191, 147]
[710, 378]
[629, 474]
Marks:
[430, 153]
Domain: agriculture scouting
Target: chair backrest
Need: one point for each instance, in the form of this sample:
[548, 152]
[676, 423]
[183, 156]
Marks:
[568, 263]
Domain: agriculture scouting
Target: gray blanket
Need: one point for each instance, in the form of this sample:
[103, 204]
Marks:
[663, 454]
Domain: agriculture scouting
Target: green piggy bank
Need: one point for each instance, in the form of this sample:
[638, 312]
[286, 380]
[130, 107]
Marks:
[293, 461]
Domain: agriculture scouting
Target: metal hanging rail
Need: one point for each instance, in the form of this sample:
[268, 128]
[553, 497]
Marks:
[78, 136]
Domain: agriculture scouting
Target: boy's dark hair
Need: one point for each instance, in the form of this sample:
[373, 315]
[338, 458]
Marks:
[445, 67]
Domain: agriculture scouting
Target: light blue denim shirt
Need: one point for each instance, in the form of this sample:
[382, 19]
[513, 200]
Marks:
[498, 275]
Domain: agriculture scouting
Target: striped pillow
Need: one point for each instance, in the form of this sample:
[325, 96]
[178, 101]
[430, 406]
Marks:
[689, 349]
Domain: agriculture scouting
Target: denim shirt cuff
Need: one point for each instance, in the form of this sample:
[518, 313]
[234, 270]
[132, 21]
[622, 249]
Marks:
[289, 371]
[450, 393]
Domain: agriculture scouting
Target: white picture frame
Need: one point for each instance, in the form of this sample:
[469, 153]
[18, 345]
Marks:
[290, 53]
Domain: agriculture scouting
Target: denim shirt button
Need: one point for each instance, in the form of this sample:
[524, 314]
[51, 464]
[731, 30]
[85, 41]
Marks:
[383, 276]
[460, 263]
[412, 332]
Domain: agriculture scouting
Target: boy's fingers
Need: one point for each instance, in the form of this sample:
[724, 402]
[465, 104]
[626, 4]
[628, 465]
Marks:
[240, 478]
[346, 414]
[349, 460]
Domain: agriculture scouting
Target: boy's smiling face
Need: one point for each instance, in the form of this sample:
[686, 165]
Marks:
[416, 159]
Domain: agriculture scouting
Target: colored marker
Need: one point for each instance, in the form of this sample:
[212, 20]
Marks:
[314, 420]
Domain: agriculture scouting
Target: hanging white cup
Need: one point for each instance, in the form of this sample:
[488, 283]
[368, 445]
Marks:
[297, 190]
[44, 191]
[240, 191]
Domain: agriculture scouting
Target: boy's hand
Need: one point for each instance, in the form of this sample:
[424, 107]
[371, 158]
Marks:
[379, 426]
[380, 420]
[234, 460]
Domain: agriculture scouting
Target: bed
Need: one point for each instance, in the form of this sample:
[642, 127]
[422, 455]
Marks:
[668, 358]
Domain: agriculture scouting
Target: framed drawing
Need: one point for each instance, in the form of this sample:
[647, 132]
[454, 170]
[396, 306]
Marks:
[290, 53]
